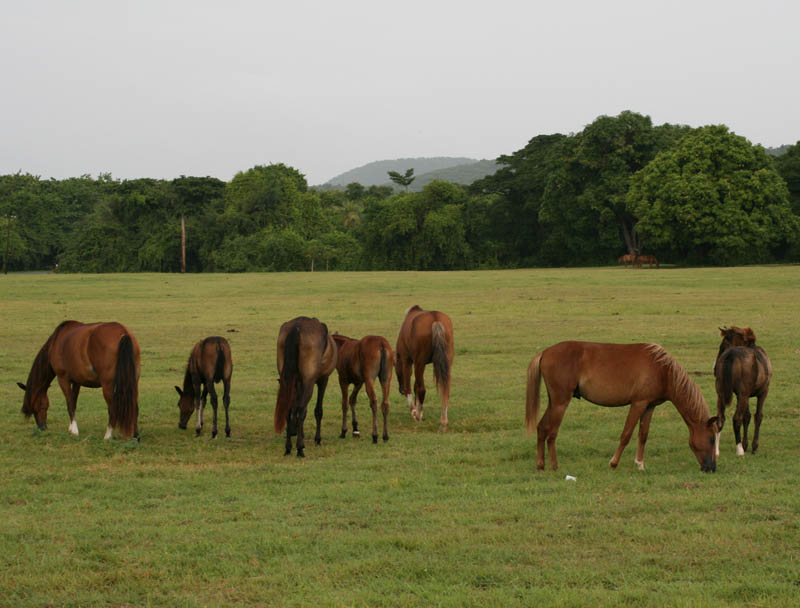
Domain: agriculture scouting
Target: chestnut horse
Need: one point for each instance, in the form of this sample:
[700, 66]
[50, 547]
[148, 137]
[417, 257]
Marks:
[628, 258]
[209, 362]
[743, 369]
[306, 356]
[647, 259]
[640, 375]
[92, 355]
[360, 362]
[426, 336]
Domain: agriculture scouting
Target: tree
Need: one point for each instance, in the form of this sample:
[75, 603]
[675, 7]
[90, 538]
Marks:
[402, 180]
[788, 165]
[713, 199]
[266, 193]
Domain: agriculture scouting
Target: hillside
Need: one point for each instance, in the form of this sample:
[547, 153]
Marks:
[374, 173]
[460, 174]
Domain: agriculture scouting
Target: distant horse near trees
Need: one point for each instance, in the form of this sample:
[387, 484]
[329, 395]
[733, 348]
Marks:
[93, 355]
[628, 258]
[307, 355]
[647, 259]
[425, 336]
[359, 363]
[743, 369]
[209, 362]
[640, 375]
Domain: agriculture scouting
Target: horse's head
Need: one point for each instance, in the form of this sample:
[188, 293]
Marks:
[703, 441]
[737, 336]
[35, 403]
[186, 407]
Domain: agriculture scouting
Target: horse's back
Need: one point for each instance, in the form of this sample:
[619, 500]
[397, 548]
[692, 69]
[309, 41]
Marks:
[316, 349]
[416, 336]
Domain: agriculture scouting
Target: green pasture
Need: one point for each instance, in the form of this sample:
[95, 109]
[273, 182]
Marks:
[427, 519]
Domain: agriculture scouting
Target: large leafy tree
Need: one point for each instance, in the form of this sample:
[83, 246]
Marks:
[714, 198]
[266, 193]
[788, 165]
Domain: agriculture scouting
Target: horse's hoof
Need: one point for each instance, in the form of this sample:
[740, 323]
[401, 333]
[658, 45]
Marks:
[300, 454]
[639, 464]
[374, 439]
[613, 464]
[213, 435]
[197, 432]
[739, 449]
[343, 435]
[317, 441]
[227, 432]
[356, 435]
[287, 452]
[442, 428]
[386, 437]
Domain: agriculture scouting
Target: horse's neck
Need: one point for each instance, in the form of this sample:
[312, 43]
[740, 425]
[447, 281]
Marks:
[685, 399]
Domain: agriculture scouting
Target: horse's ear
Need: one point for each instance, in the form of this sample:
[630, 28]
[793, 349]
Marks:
[22, 386]
[749, 336]
[713, 424]
[180, 392]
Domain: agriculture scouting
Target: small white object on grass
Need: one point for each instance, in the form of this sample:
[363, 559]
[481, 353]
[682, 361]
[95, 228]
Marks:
[570, 478]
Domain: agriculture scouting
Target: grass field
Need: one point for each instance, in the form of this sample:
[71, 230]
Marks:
[454, 519]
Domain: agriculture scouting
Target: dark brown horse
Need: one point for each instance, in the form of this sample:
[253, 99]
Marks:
[306, 356]
[639, 375]
[426, 336]
[743, 369]
[209, 362]
[359, 363]
[92, 355]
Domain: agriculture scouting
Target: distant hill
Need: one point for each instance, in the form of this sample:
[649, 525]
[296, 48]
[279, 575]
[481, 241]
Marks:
[460, 174]
[375, 173]
[779, 150]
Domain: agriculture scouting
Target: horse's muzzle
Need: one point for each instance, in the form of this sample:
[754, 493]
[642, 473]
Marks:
[42, 426]
[709, 467]
[182, 426]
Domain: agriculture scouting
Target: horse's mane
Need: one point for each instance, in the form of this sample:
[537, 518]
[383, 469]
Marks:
[41, 374]
[683, 388]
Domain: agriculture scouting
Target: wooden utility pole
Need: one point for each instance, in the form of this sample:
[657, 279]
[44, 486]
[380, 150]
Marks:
[183, 244]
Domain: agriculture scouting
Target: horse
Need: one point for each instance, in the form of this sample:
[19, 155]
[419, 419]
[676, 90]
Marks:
[640, 375]
[360, 362]
[306, 356]
[743, 369]
[92, 355]
[425, 336]
[209, 362]
[628, 258]
[648, 259]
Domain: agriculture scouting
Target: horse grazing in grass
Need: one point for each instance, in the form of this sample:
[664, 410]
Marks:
[360, 362]
[639, 375]
[209, 362]
[426, 336]
[743, 369]
[306, 356]
[648, 259]
[628, 258]
[92, 355]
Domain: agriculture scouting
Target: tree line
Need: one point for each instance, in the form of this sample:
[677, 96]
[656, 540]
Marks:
[702, 196]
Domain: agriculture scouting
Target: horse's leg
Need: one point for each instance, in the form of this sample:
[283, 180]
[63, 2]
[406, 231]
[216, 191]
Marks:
[644, 429]
[385, 408]
[321, 384]
[302, 410]
[213, 393]
[343, 386]
[635, 412]
[547, 431]
[373, 404]
[419, 389]
[226, 401]
[107, 394]
[721, 405]
[745, 424]
[759, 415]
[737, 423]
[353, 397]
[71, 393]
[199, 404]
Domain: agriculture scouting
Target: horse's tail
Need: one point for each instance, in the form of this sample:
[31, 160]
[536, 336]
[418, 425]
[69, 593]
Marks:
[726, 385]
[291, 355]
[383, 368]
[441, 364]
[124, 395]
[219, 368]
[532, 393]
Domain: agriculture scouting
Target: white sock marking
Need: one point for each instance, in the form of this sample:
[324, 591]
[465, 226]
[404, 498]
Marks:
[73, 427]
[639, 463]
[108, 432]
[716, 445]
[739, 449]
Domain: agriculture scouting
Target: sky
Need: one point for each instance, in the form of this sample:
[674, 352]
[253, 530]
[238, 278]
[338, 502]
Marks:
[176, 87]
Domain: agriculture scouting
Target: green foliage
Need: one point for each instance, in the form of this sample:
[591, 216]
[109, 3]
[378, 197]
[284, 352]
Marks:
[713, 199]
[402, 179]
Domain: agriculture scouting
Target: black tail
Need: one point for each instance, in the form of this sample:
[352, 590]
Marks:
[219, 368]
[382, 370]
[124, 409]
[289, 374]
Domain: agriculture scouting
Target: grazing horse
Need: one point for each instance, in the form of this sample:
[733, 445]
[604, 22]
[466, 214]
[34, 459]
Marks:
[642, 375]
[360, 362]
[628, 258]
[209, 362]
[92, 355]
[306, 356]
[648, 259]
[426, 336]
[743, 369]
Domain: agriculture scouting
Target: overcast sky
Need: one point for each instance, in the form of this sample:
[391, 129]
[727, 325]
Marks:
[187, 87]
